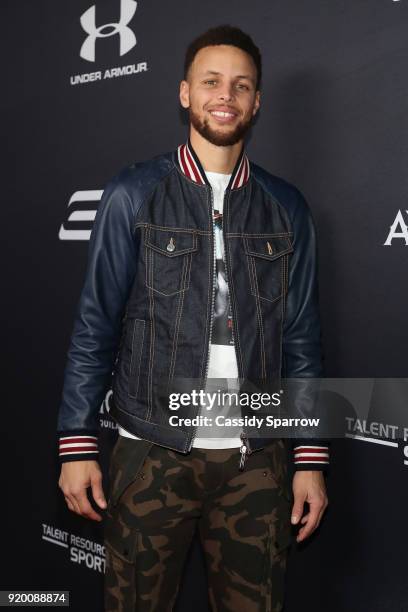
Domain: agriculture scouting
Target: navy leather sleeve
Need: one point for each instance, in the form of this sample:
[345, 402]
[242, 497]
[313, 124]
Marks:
[301, 330]
[301, 350]
[94, 341]
[302, 353]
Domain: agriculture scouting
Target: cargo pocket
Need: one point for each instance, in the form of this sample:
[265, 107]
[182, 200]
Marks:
[121, 546]
[127, 460]
[122, 541]
[267, 260]
[283, 533]
[277, 548]
[168, 253]
[277, 455]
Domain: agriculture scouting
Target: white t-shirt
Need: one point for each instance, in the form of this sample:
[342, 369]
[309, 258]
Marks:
[222, 359]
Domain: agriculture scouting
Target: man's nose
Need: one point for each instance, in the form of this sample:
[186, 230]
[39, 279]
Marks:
[226, 94]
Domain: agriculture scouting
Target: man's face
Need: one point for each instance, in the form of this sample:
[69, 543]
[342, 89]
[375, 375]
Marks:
[220, 93]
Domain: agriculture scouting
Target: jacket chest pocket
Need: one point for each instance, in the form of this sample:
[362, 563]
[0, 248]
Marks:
[168, 259]
[267, 260]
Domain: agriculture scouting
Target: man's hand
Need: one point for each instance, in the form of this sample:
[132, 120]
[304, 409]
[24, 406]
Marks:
[308, 486]
[76, 477]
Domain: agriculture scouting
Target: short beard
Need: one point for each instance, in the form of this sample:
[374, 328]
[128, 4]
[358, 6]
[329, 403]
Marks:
[218, 138]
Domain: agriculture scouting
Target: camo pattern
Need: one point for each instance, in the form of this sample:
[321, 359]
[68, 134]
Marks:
[159, 498]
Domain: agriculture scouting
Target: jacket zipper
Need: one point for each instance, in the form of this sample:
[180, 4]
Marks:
[245, 448]
[212, 303]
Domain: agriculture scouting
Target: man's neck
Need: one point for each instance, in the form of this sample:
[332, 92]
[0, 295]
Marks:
[212, 157]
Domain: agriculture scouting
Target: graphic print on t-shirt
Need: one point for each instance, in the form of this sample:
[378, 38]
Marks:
[222, 323]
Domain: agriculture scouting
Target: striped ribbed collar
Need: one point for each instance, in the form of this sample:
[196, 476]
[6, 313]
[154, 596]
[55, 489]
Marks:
[190, 166]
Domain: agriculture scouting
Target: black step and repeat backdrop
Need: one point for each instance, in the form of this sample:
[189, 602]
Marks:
[90, 88]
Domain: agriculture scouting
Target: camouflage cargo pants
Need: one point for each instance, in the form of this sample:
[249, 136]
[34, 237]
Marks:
[158, 497]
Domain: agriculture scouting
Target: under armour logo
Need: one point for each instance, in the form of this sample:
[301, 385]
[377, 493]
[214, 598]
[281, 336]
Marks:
[126, 35]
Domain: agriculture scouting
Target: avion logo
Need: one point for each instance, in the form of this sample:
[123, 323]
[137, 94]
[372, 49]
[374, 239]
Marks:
[399, 229]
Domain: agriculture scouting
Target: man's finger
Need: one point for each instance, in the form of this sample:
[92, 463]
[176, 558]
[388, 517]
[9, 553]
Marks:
[97, 491]
[69, 504]
[85, 507]
[310, 524]
[73, 502]
[297, 509]
[306, 517]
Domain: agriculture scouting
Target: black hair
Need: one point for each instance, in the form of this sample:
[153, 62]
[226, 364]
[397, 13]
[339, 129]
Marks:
[224, 35]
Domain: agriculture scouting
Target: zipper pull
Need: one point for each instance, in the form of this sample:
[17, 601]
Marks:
[245, 450]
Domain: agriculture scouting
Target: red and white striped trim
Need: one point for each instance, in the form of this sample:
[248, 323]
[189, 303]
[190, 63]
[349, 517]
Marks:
[242, 174]
[311, 454]
[74, 445]
[189, 165]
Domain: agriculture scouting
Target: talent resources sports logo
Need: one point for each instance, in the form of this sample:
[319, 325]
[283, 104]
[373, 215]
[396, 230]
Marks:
[388, 435]
[82, 551]
[81, 214]
[127, 38]
[399, 229]
[126, 42]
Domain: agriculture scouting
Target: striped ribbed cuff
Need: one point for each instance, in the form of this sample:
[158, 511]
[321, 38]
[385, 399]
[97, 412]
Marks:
[311, 457]
[77, 447]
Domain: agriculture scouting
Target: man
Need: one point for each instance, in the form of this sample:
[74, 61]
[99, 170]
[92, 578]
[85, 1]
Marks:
[201, 267]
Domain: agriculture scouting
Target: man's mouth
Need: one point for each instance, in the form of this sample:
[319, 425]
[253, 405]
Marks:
[222, 116]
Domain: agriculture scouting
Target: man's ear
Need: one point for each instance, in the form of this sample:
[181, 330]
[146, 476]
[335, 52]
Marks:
[257, 102]
[184, 94]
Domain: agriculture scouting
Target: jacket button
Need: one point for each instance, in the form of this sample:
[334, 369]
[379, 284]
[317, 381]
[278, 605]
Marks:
[270, 249]
[171, 246]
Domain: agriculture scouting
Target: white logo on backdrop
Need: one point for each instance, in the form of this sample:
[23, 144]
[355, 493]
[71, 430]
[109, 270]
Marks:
[78, 216]
[105, 421]
[81, 551]
[126, 35]
[398, 230]
[127, 40]
[375, 432]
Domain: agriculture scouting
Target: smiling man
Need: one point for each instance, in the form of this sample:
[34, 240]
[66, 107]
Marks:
[202, 266]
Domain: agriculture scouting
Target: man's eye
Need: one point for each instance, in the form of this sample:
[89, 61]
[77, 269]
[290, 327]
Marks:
[210, 82]
[242, 86]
